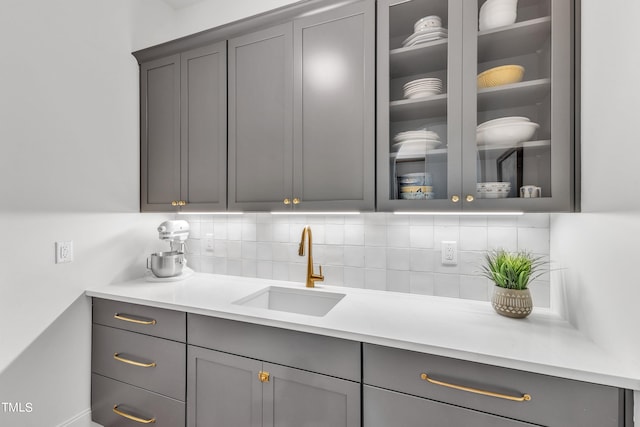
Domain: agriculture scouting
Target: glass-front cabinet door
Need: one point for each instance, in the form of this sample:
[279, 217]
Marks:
[419, 103]
[517, 109]
[475, 105]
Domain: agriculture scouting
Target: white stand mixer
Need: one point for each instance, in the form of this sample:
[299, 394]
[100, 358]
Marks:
[172, 265]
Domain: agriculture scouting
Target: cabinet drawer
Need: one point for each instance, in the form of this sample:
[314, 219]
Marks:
[326, 355]
[119, 354]
[554, 401]
[384, 408]
[107, 394]
[154, 321]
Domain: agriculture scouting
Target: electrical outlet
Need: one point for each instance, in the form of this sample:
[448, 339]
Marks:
[64, 252]
[449, 253]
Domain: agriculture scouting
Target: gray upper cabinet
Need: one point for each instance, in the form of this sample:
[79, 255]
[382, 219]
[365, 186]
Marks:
[183, 131]
[438, 148]
[301, 113]
[160, 133]
[260, 119]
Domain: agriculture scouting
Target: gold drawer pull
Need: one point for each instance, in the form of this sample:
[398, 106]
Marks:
[132, 320]
[133, 417]
[476, 391]
[133, 362]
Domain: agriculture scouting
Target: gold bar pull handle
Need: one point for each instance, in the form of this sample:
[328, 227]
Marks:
[524, 397]
[133, 362]
[132, 320]
[133, 417]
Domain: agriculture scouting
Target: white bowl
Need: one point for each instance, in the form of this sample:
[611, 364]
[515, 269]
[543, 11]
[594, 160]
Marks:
[502, 120]
[507, 133]
[496, 20]
[488, 187]
[494, 14]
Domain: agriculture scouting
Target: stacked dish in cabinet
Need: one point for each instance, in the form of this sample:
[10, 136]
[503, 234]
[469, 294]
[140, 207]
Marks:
[513, 96]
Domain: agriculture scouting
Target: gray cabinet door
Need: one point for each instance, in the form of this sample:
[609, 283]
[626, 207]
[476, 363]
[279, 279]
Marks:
[204, 128]
[223, 390]
[160, 134]
[384, 408]
[260, 114]
[334, 59]
[305, 399]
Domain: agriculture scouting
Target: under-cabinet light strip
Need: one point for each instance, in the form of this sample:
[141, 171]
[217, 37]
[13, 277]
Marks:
[437, 213]
[210, 213]
[315, 213]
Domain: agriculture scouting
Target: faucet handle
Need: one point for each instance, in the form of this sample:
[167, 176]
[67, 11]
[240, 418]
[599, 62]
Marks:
[318, 277]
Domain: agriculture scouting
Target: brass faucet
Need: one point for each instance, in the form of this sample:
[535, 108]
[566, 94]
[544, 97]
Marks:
[311, 276]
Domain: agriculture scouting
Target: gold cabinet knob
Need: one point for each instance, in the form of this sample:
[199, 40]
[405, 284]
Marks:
[455, 198]
[470, 198]
[264, 376]
[286, 201]
[296, 201]
[174, 203]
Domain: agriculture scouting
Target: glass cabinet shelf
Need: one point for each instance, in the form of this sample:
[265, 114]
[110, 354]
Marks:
[513, 95]
[423, 58]
[513, 40]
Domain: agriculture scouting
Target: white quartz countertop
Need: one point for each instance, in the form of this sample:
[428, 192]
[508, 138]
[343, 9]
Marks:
[468, 330]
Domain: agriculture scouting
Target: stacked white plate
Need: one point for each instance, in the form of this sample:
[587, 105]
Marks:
[415, 143]
[425, 35]
[422, 88]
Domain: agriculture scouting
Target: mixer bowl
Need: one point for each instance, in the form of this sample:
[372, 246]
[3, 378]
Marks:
[166, 264]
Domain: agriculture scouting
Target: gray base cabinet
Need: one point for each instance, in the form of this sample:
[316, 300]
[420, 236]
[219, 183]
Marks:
[182, 369]
[138, 364]
[421, 380]
[271, 377]
[232, 391]
[384, 408]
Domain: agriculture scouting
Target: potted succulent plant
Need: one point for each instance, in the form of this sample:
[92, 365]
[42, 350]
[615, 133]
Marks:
[512, 273]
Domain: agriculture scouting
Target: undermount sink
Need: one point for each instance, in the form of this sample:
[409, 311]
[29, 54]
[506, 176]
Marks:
[311, 302]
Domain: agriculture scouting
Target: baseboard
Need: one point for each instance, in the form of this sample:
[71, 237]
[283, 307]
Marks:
[83, 419]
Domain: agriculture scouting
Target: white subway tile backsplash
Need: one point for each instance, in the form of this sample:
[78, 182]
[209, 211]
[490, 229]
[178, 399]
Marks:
[502, 238]
[398, 259]
[421, 283]
[354, 234]
[375, 279]
[381, 251]
[446, 285]
[398, 281]
[234, 231]
[354, 277]
[421, 236]
[375, 257]
[473, 287]
[473, 239]
[535, 240]
[354, 256]
[422, 259]
[334, 234]
[398, 236]
[375, 235]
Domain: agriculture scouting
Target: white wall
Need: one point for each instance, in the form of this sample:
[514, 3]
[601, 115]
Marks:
[68, 171]
[598, 289]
